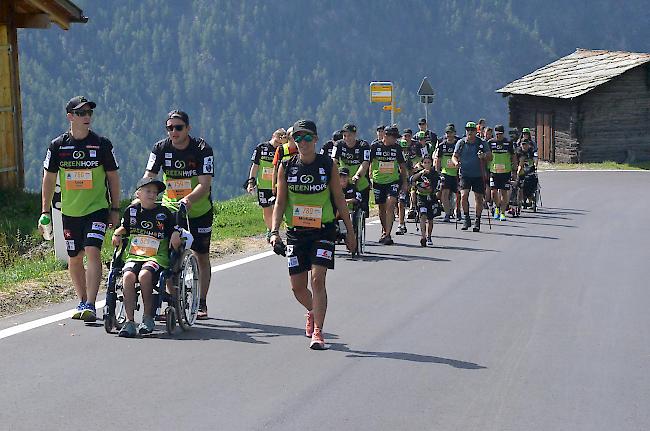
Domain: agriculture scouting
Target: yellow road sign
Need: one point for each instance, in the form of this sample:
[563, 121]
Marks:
[381, 92]
[390, 108]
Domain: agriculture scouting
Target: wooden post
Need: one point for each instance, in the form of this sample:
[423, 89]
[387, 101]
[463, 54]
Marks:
[11, 143]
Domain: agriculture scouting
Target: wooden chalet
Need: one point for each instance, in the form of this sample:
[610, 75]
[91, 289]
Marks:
[589, 106]
[15, 14]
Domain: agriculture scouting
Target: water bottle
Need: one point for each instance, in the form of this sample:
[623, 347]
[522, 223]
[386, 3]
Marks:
[45, 223]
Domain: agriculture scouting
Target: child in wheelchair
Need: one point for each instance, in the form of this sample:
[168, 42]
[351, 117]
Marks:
[147, 231]
[425, 181]
[352, 198]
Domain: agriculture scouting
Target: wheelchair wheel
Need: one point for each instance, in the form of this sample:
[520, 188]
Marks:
[170, 320]
[187, 290]
[360, 230]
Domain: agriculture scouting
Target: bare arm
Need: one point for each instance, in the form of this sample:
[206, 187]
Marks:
[403, 176]
[362, 170]
[114, 192]
[252, 174]
[201, 190]
[280, 204]
[342, 208]
[49, 183]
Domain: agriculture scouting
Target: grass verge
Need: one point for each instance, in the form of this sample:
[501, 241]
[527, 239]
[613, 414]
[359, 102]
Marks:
[596, 166]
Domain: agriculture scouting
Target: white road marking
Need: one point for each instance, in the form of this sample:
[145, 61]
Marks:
[23, 327]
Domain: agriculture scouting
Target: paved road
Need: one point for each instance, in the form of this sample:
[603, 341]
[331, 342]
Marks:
[538, 324]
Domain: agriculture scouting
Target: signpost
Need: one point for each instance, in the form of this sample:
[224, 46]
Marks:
[426, 94]
[382, 92]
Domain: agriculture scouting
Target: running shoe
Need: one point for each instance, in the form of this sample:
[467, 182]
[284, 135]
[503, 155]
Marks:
[446, 219]
[128, 330]
[467, 223]
[89, 314]
[423, 242]
[147, 326]
[502, 217]
[401, 230]
[80, 309]
[388, 241]
[429, 241]
[309, 325]
[477, 225]
[382, 238]
[317, 341]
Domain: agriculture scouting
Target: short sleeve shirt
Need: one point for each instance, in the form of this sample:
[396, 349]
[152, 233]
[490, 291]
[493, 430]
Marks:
[148, 232]
[470, 165]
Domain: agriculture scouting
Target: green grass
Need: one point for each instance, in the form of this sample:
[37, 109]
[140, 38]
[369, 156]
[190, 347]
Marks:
[603, 165]
[237, 218]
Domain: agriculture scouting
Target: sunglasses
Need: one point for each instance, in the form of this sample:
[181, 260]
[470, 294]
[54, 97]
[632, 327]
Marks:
[177, 127]
[83, 112]
[306, 137]
[281, 136]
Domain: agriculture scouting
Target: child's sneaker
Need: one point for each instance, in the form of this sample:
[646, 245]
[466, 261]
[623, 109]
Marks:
[128, 330]
[147, 326]
[89, 314]
[429, 241]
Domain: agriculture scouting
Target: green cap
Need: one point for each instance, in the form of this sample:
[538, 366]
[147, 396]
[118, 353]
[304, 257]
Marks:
[403, 143]
[525, 130]
[470, 125]
[421, 135]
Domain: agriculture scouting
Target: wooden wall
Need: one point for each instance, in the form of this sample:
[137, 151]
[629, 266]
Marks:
[615, 119]
[11, 155]
[523, 113]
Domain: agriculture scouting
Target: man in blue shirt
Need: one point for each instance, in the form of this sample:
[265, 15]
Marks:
[472, 153]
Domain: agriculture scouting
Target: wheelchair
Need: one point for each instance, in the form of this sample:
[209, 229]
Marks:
[532, 196]
[182, 305]
[358, 216]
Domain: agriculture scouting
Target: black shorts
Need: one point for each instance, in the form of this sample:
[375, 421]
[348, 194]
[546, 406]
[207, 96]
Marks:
[425, 206]
[84, 231]
[201, 230]
[500, 181]
[450, 182]
[383, 191]
[475, 184]
[265, 198]
[151, 265]
[309, 247]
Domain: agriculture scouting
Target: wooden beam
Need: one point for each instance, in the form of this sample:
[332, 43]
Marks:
[55, 14]
[40, 20]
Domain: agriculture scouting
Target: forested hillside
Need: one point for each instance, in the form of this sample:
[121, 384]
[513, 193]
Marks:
[244, 68]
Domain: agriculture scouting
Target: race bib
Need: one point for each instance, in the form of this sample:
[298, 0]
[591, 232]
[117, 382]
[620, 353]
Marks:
[267, 174]
[143, 245]
[307, 216]
[499, 168]
[386, 167]
[78, 180]
[178, 189]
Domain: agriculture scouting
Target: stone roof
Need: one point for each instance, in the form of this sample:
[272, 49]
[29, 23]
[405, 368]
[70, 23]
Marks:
[576, 74]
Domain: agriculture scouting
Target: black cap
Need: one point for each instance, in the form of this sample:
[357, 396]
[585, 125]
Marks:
[409, 131]
[349, 127]
[422, 121]
[392, 131]
[77, 102]
[381, 127]
[181, 115]
[450, 128]
[499, 128]
[337, 136]
[304, 126]
[146, 181]
[344, 171]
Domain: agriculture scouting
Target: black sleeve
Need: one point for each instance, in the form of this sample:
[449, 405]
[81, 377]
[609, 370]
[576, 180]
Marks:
[206, 163]
[255, 158]
[125, 222]
[170, 223]
[400, 157]
[156, 158]
[51, 162]
[108, 155]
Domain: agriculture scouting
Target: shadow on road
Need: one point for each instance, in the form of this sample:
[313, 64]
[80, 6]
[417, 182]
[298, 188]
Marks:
[374, 257]
[403, 356]
[520, 235]
[451, 247]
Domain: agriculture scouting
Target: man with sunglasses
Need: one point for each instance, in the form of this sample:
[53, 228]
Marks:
[90, 198]
[187, 164]
[261, 175]
[388, 173]
[309, 194]
[445, 165]
[354, 154]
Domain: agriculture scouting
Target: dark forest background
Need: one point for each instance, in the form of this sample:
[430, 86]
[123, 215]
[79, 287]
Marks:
[243, 68]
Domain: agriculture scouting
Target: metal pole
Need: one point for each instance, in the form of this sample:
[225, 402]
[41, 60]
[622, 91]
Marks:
[426, 112]
[392, 107]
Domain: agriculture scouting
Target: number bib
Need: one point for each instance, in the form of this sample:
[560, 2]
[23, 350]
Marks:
[267, 174]
[78, 180]
[307, 216]
[386, 167]
[178, 189]
[499, 168]
[143, 245]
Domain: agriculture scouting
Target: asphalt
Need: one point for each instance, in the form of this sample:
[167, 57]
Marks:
[540, 323]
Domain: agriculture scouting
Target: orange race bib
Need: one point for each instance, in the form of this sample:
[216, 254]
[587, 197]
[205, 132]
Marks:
[79, 180]
[307, 216]
[386, 167]
[499, 168]
[178, 189]
[267, 174]
[143, 245]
